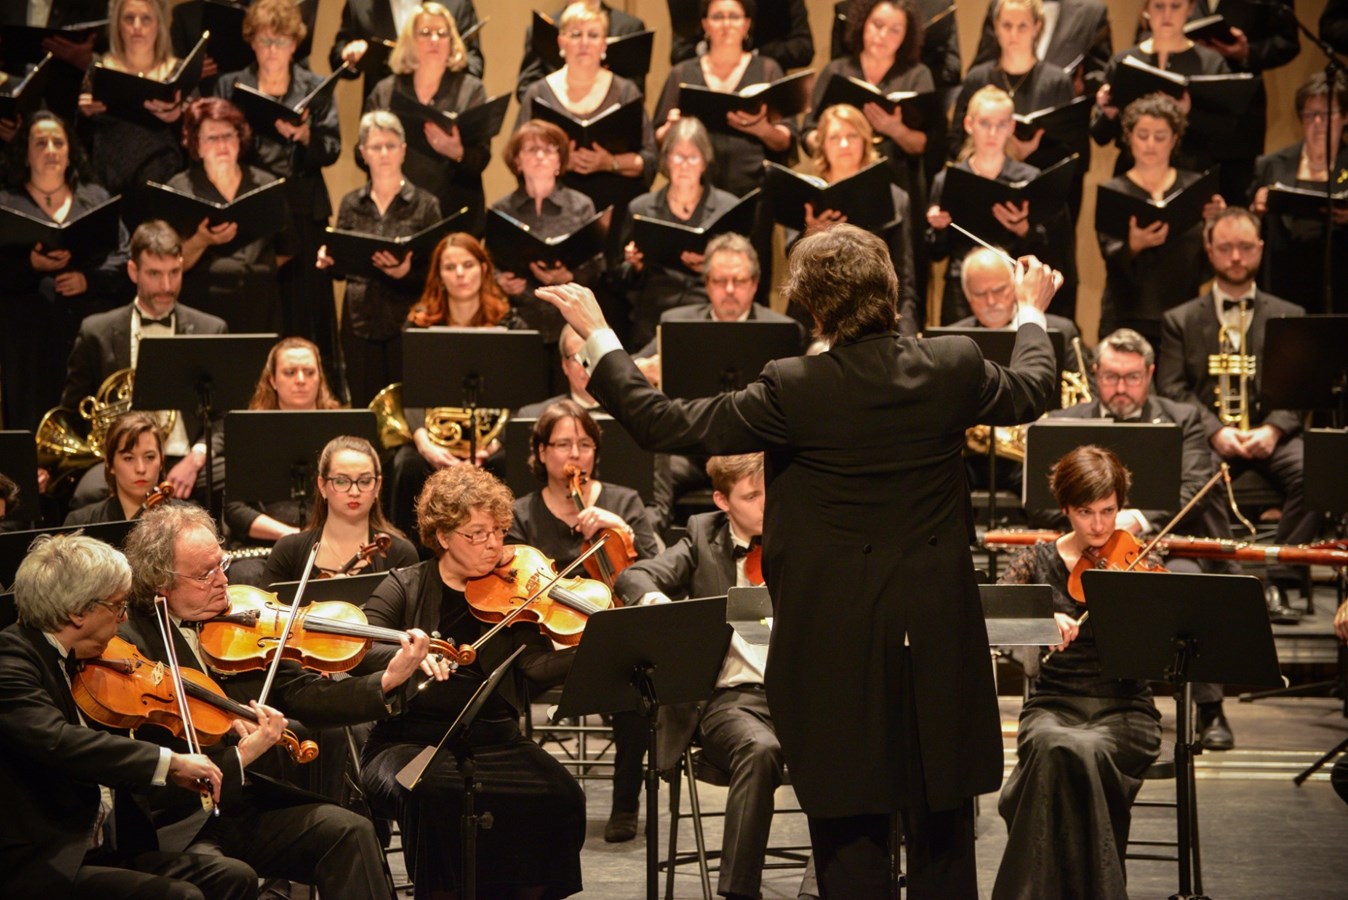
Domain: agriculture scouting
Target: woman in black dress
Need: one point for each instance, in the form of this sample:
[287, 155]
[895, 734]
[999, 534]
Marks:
[1149, 270]
[48, 291]
[533, 847]
[430, 67]
[133, 464]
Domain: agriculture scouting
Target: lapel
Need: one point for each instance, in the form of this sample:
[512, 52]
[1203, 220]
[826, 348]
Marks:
[723, 547]
[1255, 344]
[1208, 332]
[120, 339]
[53, 674]
[181, 323]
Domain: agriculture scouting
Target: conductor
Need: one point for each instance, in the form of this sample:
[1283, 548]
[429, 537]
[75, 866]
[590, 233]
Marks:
[865, 549]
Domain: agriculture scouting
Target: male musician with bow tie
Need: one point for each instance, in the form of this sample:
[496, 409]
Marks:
[73, 824]
[735, 724]
[110, 341]
[278, 830]
[1193, 332]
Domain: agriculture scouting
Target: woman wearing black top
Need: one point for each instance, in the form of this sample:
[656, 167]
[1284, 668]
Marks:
[1150, 270]
[533, 848]
[1084, 740]
[48, 291]
[430, 67]
[223, 275]
[274, 29]
[133, 464]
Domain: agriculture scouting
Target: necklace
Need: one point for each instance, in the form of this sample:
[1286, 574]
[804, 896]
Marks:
[1012, 88]
[48, 197]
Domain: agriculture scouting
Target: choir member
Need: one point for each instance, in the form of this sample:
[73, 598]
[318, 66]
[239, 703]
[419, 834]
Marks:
[781, 33]
[366, 22]
[533, 67]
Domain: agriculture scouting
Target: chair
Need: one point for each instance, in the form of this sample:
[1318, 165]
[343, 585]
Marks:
[582, 759]
[694, 767]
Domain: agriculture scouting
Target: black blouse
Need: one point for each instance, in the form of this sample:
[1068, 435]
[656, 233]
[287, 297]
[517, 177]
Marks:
[536, 526]
[289, 555]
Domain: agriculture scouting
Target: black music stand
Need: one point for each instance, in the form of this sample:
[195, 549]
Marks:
[644, 657]
[14, 544]
[1304, 365]
[747, 609]
[706, 358]
[1019, 614]
[622, 461]
[1180, 629]
[473, 368]
[18, 461]
[1153, 452]
[353, 589]
[274, 453]
[456, 739]
[208, 373]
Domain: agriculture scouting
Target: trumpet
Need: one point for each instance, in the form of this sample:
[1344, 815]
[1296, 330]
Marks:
[1234, 369]
[62, 445]
[446, 426]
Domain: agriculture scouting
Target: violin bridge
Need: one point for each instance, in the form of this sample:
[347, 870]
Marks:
[157, 676]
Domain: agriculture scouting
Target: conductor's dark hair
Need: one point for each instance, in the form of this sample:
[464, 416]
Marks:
[910, 51]
[1089, 473]
[843, 277]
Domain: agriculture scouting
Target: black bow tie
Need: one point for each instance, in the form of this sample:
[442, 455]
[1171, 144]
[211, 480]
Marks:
[1242, 303]
[741, 552]
[145, 320]
[72, 664]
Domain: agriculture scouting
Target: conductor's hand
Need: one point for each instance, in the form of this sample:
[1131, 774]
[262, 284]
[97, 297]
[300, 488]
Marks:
[188, 770]
[577, 305]
[1036, 282]
[1068, 627]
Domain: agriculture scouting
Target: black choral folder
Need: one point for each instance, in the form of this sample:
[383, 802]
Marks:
[616, 128]
[786, 96]
[1067, 123]
[21, 45]
[262, 110]
[864, 198]
[514, 245]
[920, 110]
[91, 234]
[477, 124]
[1302, 203]
[21, 96]
[969, 198]
[259, 213]
[1179, 209]
[351, 250]
[628, 55]
[126, 94]
[663, 242]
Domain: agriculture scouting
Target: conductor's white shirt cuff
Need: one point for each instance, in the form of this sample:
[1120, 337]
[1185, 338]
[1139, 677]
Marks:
[1027, 314]
[597, 346]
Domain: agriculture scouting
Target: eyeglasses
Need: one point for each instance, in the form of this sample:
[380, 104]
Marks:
[441, 33]
[568, 446]
[685, 159]
[1320, 115]
[478, 538]
[219, 568]
[730, 283]
[118, 610]
[1245, 247]
[364, 483]
[726, 18]
[382, 148]
[1132, 379]
[539, 150]
[223, 137]
[273, 43]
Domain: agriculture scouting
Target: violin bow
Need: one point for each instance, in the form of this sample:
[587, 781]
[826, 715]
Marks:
[165, 623]
[289, 624]
[1223, 471]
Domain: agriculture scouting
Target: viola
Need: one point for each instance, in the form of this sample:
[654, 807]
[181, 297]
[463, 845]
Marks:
[1121, 553]
[327, 636]
[379, 544]
[123, 688]
[157, 495]
[617, 552]
[513, 592]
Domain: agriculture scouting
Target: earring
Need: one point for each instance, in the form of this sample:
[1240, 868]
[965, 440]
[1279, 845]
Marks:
[603, 56]
[562, 53]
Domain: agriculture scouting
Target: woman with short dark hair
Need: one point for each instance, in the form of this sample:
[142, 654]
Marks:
[133, 465]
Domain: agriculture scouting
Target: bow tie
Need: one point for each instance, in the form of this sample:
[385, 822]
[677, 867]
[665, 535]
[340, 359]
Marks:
[72, 664]
[754, 543]
[1243, 303]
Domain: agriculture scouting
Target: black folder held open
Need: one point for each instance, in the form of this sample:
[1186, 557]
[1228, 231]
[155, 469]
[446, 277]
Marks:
[259, 213]
[1180, 209]
[87, 236]
[865, 198]
[477, 124]
[663, 242]
[616, 128]
[969, 198]
[786, 97]
[514, 245]
[351, 251]
[125, 94]
[920, 110]
[262, 111]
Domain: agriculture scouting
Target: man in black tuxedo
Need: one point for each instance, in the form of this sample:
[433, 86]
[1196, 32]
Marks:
[110, 341]
[866, 540]
[534, 67]
[735, 724]
[73, 825]
[1268, 440]
[365, 21]
[1125, 364]
[278, 830]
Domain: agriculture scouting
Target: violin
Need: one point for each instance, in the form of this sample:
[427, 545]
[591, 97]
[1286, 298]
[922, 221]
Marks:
[514, 592]
[617, 552]
[1121, 553]
[379, 544]
[123, 688]
[1324, 553]
[157, 495]
[327, 636]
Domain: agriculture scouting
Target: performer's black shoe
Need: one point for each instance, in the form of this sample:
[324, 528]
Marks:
[622, 826]
[1214, 732]
[1278, 611]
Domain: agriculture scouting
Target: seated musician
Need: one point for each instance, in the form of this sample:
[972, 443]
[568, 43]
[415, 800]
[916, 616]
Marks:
[133, 462]
[1083, 740]
[346, 516]
[292, 379]
[549, 519]
[110, 341]
[533, 847]
[735, 724]
[65, 784]
[279, 831]
[1230, 319]
[1124, 366]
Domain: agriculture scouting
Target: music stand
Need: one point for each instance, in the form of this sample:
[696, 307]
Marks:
[706, 358]
[456, 740]
[18, 461]
[473, 368]
[1304, 366]
[747, 609]
[274, 453]
[353, 589]
[1019, 614]
[206, 373]
[1180, 629]
[622, 461]
[1151, 451]
[644, 657]
[14, 544]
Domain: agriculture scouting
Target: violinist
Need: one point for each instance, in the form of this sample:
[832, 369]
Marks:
[347, 515]
[1080, 734]
[566, 435]
[735, 725]
[533, 848]
[133, 464]
[277, 830]
[65, 784]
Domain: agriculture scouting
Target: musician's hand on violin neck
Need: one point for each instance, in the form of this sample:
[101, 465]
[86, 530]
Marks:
[578, 306]
[411, 656]
[261, 736]
[192, 771]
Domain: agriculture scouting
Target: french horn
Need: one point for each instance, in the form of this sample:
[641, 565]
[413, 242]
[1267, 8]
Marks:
[446, 426]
